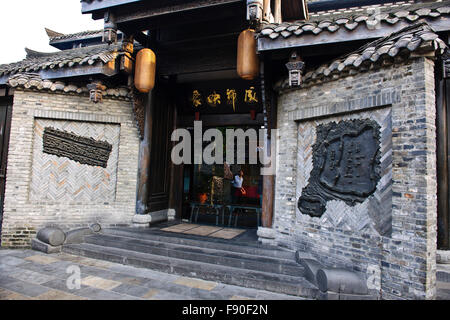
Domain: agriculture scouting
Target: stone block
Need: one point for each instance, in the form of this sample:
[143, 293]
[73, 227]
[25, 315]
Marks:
[342, 281]
[40, 246]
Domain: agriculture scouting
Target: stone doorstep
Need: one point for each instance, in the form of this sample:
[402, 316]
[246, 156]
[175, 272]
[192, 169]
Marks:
[443, 273]
[443, 257]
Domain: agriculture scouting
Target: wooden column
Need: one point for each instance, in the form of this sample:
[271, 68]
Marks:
[269, 103]
[267, 11]
[277, 12]
[144, 157]
[176, 171]
[442, 154]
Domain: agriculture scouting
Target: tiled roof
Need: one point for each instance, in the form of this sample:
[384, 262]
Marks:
[32, 81]
[350, 19]
[62, 59]
[418, 38]
[54, 36]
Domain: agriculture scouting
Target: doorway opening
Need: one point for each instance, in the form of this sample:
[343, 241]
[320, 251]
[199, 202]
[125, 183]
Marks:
[224, 195]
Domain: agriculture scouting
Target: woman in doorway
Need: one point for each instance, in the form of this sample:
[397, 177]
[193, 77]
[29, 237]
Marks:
[237, 190]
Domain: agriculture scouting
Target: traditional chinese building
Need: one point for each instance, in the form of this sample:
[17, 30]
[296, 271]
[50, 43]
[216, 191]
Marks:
[357, 92]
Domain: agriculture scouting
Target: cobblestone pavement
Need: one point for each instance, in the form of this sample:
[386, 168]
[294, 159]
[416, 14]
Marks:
[30, 275]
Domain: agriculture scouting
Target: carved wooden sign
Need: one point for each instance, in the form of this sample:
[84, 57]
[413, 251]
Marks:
[83, 150]
[346, 159]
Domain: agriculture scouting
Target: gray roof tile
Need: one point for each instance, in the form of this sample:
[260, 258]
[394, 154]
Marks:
[350, 19]
[35, 82]
[61, 59]
[416, 37]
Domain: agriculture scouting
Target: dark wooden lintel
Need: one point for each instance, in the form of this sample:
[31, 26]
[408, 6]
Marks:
[169, 10]
[223, 120]
[90, 7]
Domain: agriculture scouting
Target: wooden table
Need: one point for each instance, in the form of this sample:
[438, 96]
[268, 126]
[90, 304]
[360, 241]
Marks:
[234, 207]
[217, 208]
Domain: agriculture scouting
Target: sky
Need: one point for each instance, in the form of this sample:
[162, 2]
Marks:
[22, 24]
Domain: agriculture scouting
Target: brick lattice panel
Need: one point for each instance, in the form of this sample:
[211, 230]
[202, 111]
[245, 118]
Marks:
[61, 180]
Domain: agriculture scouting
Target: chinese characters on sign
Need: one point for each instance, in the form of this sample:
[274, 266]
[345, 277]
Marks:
[214, 99]
[250, 96]
[229, 97]
[196, 99]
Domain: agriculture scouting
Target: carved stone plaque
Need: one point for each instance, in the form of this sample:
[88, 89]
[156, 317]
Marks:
[346, 161]
[83, 150]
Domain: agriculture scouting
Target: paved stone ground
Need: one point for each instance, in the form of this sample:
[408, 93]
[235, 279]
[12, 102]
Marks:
[30, 275]
[443, 288]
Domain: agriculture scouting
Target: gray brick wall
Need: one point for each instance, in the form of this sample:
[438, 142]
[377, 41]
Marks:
[397, 266]
[24, 213]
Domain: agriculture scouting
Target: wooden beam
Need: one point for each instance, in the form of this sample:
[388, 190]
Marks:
[90, 7]
[223, 120]
[148, 13]
[211, 18]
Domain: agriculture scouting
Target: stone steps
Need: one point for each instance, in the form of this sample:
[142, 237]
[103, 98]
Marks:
[248, 265]
[254, 261]
[192, 240]
[443, 273]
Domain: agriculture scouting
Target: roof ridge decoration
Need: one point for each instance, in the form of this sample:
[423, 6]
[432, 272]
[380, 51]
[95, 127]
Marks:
[351, 18]
[53, 34]
[32, 81]
[415, 40]
[56, 36]
[62, 59]
[33, 54]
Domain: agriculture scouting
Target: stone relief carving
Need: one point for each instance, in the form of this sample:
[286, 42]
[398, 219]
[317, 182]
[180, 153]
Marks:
[80, 149]
[346, 165]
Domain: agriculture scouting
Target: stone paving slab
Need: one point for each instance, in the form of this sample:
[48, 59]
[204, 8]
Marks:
[30, 275]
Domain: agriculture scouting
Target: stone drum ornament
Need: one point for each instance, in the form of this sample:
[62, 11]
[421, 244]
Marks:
[346, 165]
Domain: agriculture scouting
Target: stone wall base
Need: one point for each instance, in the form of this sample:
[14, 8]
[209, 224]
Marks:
[145, 220]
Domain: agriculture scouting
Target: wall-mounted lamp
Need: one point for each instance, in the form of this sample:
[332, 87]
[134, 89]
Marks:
[96, 92]
[295, 67]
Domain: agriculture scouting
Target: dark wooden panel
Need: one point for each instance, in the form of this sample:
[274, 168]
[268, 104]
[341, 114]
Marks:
[294, 10]
[5, 127]
[223, 120]
[160, 163]
[442, 155]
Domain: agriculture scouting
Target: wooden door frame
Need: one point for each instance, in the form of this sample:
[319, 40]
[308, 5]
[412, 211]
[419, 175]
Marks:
[8, 102]
[442, 152]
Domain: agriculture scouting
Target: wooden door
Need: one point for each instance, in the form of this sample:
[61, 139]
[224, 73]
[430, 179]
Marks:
[160, 163]
[5, 126]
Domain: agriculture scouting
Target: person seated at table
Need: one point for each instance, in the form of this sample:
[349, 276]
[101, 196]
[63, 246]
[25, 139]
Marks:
[237, 190]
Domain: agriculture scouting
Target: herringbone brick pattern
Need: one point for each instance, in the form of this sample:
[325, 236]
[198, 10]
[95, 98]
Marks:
[61, 180]
[375, 214]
